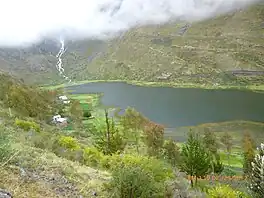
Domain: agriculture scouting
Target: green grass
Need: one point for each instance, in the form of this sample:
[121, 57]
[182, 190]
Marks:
[88, 101]
[235, 159]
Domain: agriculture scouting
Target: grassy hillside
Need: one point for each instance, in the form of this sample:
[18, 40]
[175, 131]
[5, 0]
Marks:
[205, 53]
[38, 159]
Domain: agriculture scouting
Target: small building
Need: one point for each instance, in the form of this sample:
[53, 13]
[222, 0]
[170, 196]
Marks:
[57, 119]
[64, 99]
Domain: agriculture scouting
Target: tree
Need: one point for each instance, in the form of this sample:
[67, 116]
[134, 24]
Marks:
[211, 144]
[210, 141]
[248, 153]
[76, 112]
[109, 140]
[256, 178]
[195, 158]
[227, 139]
[154, 138]
[171, 152]
[133, 123]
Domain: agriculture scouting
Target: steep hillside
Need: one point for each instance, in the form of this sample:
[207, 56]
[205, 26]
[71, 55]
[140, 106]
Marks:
[37, 64]
[201, 52]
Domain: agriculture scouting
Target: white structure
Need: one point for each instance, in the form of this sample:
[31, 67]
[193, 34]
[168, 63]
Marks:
[64, 99]
[59, 119]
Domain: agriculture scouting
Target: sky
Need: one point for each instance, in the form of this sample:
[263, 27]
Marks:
[26, 22]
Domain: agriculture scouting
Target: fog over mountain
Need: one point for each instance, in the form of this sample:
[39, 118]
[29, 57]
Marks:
[27, 22]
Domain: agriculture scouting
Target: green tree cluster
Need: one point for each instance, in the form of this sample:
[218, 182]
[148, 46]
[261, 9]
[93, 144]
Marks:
[27, 100]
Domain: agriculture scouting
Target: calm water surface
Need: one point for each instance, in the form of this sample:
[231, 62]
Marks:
[176, 107]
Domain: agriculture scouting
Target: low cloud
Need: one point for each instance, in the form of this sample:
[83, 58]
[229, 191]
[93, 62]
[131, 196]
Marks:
[25, 22]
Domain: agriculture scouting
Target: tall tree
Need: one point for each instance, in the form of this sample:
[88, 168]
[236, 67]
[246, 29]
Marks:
[248, 153]
[76, 112]
[227, 141]
[211, 144]
[210, 141]
[108, 138]
[133, 123]
[171, 152]
[195, 160]
[154, 138]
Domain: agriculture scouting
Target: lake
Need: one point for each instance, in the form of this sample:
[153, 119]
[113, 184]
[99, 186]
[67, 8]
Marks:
[177, 107]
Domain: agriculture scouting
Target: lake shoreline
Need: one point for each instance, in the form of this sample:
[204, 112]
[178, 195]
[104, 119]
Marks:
[254, 88]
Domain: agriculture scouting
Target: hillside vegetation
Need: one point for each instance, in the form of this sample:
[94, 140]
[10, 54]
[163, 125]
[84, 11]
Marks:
[203, 52]
[121, 156]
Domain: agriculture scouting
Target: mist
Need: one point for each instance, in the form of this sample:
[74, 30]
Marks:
[26, 22]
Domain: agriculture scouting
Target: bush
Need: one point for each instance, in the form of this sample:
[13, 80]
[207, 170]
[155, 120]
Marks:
[44, 140]
[133, 181]
[223, 191]
[68, 142]
[92, 157]
[160, 170]
[27, 125]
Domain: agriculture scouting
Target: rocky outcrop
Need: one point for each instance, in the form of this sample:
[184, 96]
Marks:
[5, 194]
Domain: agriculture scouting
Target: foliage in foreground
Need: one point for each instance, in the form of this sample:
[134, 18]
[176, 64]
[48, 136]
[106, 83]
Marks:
[134, 182]
[27, 125]
[223, 191]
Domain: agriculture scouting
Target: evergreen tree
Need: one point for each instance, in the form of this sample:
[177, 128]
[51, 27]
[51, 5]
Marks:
[195, 158]
[256, 178]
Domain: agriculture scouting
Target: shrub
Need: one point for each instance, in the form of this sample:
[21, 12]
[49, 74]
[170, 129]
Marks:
[92, 157]
[27, 125]
[133, 181]
[44, 140]
[224, 191]
[68, 143]
[160, 170]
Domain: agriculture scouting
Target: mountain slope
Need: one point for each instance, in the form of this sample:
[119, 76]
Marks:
[37, 64]
[202, 52]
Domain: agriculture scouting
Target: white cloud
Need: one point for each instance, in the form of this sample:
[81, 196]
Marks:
[28, 21]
